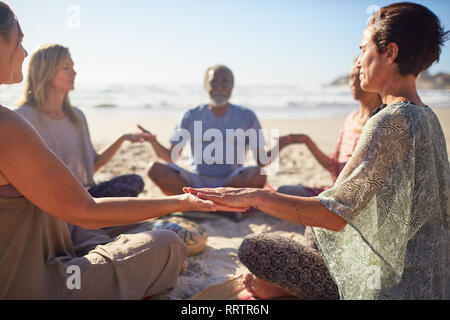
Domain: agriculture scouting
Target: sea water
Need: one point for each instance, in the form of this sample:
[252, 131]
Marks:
[273, 102]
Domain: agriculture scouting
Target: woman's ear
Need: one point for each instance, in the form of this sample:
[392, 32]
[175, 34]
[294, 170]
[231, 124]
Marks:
[391, 52]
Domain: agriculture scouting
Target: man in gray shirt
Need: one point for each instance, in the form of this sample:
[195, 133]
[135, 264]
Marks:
[220, 135]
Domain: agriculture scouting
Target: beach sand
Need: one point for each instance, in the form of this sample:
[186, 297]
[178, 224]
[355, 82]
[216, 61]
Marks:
[219, 262]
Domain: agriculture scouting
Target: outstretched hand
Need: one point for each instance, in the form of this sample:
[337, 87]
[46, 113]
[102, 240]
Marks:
[195, 203]
[148, 136]
[291, 139]
[231, 197]
[134, 137]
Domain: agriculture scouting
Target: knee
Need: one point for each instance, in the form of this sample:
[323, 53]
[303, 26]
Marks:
[249, 248]
[254, 177]
[290, 190]
[258, 178]
[173, 241]
[261, 180]
[154, 171]
[136, 179]
[283, 189]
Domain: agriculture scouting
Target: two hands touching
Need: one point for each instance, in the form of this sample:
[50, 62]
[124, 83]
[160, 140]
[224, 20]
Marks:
[285, 141]
[142, 136]
[206, 199]
[139, 137]
[222, 199]
[219, 199]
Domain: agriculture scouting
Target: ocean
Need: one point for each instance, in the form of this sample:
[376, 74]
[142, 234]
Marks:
[273, 102]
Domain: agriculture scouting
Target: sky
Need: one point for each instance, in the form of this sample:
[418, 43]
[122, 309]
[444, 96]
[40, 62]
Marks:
[265, 42]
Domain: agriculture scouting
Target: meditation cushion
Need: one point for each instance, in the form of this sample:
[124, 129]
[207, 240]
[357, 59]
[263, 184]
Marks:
[192, 234]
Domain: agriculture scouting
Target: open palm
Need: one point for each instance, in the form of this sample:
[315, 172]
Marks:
[230, 197]
[196, 203]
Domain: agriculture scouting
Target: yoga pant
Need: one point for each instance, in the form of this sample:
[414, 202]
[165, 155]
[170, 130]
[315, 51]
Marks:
[123, 186]
[296, 269]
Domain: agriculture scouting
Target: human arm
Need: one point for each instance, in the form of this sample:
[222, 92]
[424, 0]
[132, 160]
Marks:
[266, 157]
[161, 151]
[36, 172]
[318, 154]
[106, 155]
[298, 210]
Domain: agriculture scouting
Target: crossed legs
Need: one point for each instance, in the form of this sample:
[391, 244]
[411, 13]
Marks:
[171, 182]
[167, 179]
[280, 266]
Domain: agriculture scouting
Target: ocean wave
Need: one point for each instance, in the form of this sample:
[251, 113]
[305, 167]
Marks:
[265, 99]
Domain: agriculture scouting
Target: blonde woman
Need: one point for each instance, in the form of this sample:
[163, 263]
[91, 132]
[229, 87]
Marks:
[46, 105]
[39, 195]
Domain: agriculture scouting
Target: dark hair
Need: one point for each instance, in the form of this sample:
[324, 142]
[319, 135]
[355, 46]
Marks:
[7, 21]
[415, 29]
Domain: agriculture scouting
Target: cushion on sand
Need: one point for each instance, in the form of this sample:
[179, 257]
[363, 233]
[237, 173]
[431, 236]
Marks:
[192, 234]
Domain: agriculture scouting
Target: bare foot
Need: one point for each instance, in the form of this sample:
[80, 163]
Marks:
[263, 289]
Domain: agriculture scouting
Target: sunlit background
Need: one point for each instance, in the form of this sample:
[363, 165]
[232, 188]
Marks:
[153, 54]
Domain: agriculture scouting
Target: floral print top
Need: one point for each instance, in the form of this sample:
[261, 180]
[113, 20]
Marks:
[394, 194]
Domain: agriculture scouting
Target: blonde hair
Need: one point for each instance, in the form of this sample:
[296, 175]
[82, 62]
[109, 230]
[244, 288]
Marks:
[44, 64]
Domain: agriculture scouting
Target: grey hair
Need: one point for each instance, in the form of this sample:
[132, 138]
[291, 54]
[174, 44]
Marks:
[215, 68]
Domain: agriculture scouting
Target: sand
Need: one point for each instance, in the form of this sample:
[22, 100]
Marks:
[219, 262]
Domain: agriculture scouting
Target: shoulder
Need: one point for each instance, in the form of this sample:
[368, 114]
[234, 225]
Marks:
[27, 110]
[11, 121]
[194, 113]
[80, 114]
[394, 113]
[351, 116]
[243, 111]
[349, 120]
[396, 121]
[6, 115]
[31, 114]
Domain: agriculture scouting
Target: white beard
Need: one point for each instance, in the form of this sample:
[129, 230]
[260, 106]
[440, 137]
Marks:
[219, 100]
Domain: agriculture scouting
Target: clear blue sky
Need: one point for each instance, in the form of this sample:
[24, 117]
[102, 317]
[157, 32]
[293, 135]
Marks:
[265, 42]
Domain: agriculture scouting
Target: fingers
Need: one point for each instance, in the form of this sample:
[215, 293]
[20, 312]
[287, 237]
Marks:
[195, 191]
[138, 137]
[142, 129]
[219, 207]
[211, 206]
[223, 205]
[214, 198]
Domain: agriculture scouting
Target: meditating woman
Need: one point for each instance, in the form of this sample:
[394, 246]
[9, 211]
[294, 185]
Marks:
[46, 105]
[39, 194]
[383, 230]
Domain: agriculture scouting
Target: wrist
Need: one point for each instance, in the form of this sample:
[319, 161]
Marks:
[308, 142]
[121, 139]
[258, 196]
[181, 202]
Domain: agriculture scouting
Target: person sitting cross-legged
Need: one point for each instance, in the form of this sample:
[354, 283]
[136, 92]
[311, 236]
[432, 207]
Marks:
[209, 127]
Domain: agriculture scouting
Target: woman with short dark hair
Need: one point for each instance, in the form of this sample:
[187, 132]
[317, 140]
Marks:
[383, 230]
